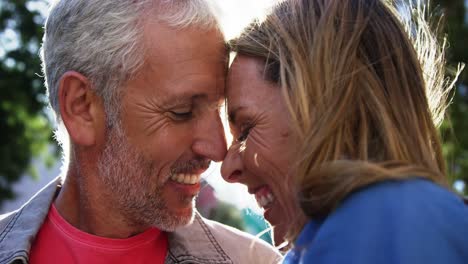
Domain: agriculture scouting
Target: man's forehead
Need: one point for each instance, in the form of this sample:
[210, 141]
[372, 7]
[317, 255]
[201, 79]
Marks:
[171, 40]
[213, 95]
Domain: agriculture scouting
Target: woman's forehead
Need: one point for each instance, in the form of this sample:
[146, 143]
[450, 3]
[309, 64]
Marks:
[246, 87]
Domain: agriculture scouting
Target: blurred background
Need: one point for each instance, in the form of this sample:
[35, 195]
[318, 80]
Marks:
[29, 157]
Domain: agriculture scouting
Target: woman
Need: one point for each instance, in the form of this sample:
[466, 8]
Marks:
[334, 109]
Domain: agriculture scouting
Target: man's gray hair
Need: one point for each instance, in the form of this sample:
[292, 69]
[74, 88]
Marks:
[102, 39]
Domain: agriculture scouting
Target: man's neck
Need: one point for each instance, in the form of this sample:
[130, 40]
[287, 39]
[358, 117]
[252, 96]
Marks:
[86, 205]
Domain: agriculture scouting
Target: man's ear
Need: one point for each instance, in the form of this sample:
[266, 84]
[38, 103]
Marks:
[80, 108]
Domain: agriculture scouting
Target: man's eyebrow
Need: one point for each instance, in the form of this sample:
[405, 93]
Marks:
[183, 97]
[233, 113]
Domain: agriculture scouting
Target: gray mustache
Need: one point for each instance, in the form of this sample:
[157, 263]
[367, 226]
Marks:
[191, 166]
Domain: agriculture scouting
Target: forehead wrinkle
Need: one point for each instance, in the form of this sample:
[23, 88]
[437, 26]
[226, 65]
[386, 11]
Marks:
[183, 97]
[186, 85]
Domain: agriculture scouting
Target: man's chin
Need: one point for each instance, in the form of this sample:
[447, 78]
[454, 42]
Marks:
[178, 219]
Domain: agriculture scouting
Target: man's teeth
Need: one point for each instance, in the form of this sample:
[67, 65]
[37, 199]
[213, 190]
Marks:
[264, 200]
[186, 178]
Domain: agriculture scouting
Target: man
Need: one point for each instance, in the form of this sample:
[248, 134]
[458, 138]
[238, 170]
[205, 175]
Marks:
[137, 86]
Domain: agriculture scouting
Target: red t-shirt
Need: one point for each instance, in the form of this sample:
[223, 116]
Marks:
[60, 242]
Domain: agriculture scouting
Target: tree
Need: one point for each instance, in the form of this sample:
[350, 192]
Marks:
[25, 131]
[455, 129]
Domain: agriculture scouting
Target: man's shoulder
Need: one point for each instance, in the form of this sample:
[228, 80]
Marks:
[230, 232]
[6, 218]
[242, 241]
[36, 208]
[16, 234]
[210, 240]
[18, 228]
[242, 246]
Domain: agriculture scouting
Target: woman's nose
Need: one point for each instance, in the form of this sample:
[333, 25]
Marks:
[231, 169]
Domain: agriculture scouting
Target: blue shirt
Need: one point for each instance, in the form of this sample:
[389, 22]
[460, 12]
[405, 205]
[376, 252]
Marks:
[409, 221]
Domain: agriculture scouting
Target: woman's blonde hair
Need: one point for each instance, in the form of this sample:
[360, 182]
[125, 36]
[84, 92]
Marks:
[365, 87]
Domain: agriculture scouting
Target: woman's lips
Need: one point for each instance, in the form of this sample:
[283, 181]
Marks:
[264, 196]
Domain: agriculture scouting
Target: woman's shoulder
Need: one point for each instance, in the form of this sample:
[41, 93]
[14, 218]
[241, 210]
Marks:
[414, 195]
[408, 221]
[402, 210]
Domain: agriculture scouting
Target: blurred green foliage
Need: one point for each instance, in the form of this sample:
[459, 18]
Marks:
[455, 128]
[25, 132]
[227, 214]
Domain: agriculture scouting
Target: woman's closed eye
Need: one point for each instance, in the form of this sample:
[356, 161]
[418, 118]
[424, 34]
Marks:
[244, 133]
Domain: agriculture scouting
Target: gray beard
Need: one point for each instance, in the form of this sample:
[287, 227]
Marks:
[127, 175]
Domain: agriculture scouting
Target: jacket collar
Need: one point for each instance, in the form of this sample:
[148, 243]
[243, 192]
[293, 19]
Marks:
[194, 243]
[19, 228]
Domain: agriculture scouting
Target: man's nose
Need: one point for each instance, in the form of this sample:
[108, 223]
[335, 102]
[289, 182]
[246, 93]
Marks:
[210, 140]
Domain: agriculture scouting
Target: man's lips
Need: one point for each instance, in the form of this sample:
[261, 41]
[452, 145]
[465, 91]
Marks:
[189, 185]
[186, 178]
